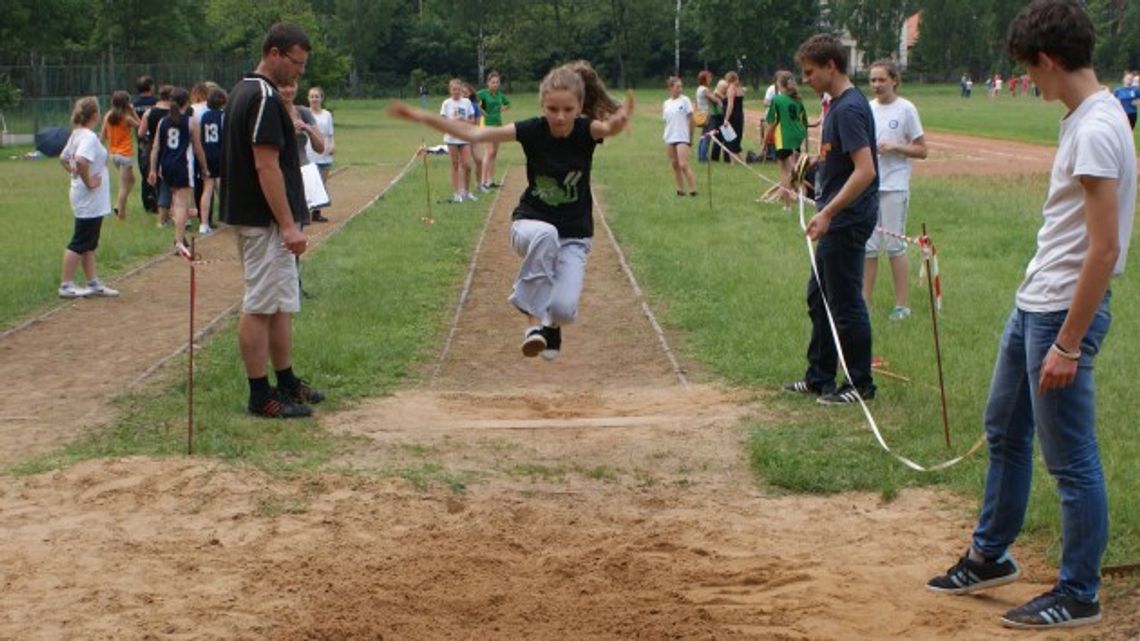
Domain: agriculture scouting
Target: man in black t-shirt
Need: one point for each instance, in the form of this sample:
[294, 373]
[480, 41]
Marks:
[144, 101]
[848, 211]
[261, 196]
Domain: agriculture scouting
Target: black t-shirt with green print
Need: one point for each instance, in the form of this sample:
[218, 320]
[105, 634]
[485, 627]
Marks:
[558, 177]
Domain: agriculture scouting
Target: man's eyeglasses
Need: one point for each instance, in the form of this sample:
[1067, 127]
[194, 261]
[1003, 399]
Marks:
[299, 63]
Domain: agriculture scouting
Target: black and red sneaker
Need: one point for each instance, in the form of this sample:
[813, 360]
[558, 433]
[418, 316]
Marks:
[302, 394]
[276, 405]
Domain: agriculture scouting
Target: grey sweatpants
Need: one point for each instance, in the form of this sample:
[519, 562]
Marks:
[550, 278]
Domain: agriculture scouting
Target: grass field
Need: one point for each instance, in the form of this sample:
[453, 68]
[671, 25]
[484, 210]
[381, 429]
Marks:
[728, 280]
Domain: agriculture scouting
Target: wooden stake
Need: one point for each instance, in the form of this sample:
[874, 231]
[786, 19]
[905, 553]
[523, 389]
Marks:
[190, 359]
[427, 179]
[937, 343]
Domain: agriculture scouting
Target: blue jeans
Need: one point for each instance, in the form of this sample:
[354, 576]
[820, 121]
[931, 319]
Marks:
[1065, 423]
[839, 259]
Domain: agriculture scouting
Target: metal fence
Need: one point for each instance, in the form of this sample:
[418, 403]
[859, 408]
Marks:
[47, 91]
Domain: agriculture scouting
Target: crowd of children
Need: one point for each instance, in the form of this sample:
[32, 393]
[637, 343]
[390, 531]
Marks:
[177, 136]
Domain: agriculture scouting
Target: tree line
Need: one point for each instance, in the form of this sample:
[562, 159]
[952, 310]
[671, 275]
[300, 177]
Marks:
[365, 47]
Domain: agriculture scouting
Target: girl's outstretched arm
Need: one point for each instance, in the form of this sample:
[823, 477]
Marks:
[458, 128]
[615, 123]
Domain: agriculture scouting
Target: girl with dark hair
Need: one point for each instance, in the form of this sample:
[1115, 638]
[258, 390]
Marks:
[172, 159]
[553, 223]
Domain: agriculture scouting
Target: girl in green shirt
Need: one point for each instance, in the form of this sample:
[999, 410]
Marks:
[493, 103]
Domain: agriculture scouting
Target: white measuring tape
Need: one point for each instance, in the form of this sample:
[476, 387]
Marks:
[835, 335]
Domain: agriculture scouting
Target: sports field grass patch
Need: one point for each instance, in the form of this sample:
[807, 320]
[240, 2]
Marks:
[731, 279]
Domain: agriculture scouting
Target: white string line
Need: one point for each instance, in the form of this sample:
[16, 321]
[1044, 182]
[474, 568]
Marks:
[839, 348]
[680, 373]
[229, 311]
[467, 284]
[843, 363]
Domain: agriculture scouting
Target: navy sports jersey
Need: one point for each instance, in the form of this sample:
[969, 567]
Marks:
[256, 116]
[849, 126]
[175, 153]
[211, 125]
[558, 177]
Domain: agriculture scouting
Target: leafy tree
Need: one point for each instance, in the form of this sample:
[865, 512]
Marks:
[875, 24]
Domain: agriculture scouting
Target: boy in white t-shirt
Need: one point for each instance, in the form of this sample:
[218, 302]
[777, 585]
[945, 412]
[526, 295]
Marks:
[677, 112]
[456, 107]
[1043, 378]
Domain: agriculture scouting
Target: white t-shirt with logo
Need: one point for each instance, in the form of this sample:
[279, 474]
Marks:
[88, 203]
[898, 123]
[453, 109]
[1095, 141]
[677, 113]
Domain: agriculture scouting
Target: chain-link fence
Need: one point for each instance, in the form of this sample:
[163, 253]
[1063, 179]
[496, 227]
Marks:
[46, 92]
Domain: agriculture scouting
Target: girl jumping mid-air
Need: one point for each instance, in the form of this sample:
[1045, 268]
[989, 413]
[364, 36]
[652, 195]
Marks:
[553, 223]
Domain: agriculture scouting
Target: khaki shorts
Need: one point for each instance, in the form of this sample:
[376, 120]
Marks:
[270, 270]
[892, 217]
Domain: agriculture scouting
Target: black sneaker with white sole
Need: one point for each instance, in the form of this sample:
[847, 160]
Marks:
[553, 336]
[968, 576]
[533, 342]
[1052, 610]
[846, 395]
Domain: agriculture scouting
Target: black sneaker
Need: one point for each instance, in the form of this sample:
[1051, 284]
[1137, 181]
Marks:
[802, 387]
[846, 395]
[533, 342]
[1052, 610]
[553, 336]
[302, 394]
[968, 576]
[278, 406]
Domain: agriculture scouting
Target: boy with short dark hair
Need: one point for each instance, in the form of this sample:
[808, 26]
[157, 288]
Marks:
[848, 204]
[1043, 378]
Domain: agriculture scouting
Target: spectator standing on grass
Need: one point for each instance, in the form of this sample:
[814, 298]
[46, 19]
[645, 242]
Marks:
[85, 160]
[211, 128]
[788, 119]
[703, 112]
[118, 124]
[847, 173]
[553, 223]
[174, 159]
[458, 107]
[1043, 378]
[263, 197]
[677, 112]
[493, 102]
[142, 103]
[900, 139]
[719, 98]
[734, 113]
[1128, 94]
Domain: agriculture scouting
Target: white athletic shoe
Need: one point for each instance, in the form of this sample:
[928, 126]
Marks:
[205, 230]
[71, 290]
[97, 288]
[470, 197]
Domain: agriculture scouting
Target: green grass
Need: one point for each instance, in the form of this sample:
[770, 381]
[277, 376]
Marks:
[731, 280]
